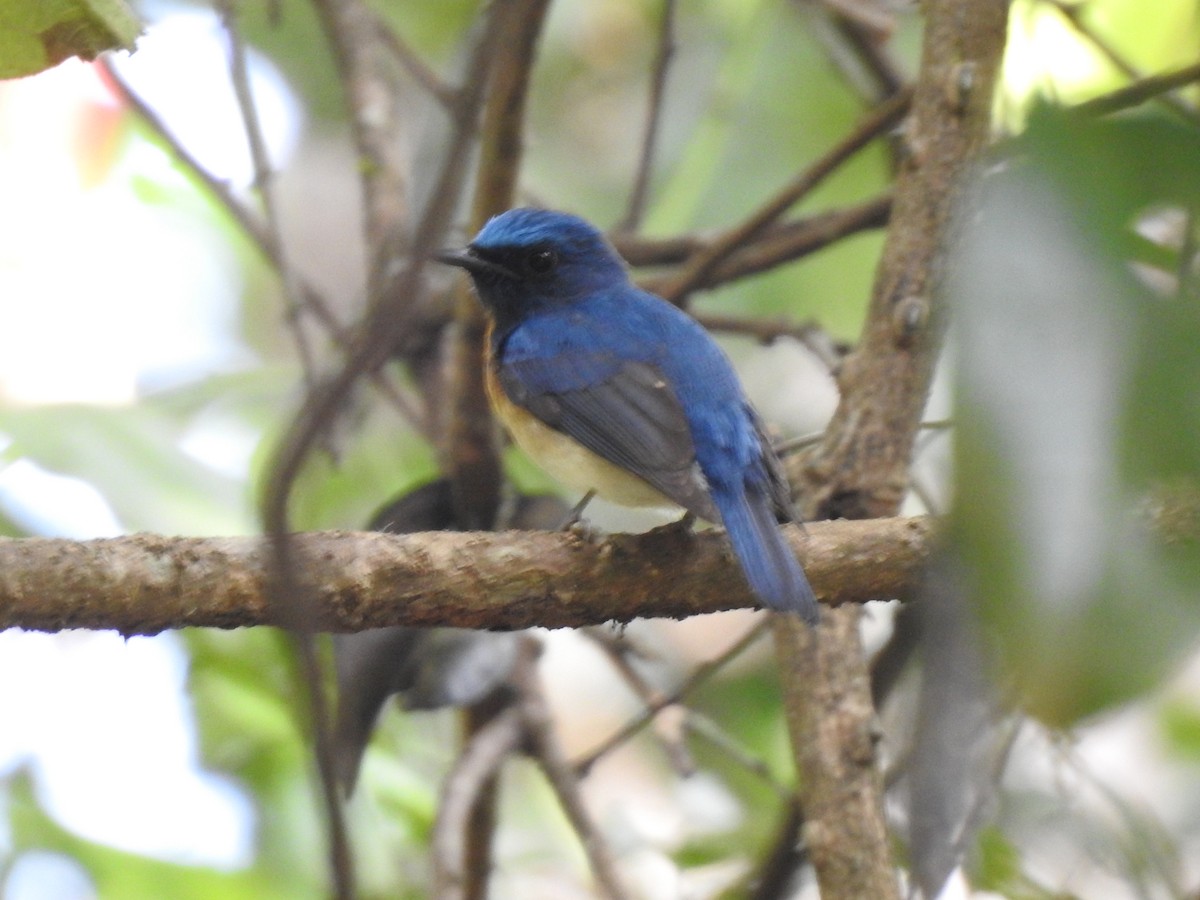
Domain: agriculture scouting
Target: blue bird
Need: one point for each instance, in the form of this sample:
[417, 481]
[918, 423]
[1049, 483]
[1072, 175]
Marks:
[613, 389]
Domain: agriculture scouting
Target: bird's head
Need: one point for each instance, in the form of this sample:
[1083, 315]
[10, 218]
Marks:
[528, 259]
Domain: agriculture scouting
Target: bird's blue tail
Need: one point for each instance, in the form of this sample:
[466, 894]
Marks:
[771, 567]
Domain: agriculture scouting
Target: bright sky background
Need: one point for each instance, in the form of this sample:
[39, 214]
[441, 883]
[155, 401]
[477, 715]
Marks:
[104, 722]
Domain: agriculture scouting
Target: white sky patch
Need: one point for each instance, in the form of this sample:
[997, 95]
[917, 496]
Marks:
[113, 747]
[114, 279]
[45, 503]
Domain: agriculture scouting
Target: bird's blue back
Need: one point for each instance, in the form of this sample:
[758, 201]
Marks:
[602, 330]
[581, 327]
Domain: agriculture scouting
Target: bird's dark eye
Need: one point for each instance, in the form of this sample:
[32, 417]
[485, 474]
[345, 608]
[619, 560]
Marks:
[541, 260]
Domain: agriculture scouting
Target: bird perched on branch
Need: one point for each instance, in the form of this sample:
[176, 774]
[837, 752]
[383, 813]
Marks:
[614, 390]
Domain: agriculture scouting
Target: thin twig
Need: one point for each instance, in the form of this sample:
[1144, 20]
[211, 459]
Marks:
[874, 18]
[700, 675]
[617, 652]
[765, 331]
[479, 831]
[855, 38]
[702, 726]
[640, 250]
[698, 268]
[1073, 14]
[973, 820]
[784, 857]
[792, 445]
[564, 780]
[250, 223]
[256, 230]
[658, 82]
[341, 861]
[786, 243]
[1138, 92]
[475, 768]
[871, 49]
[264, 177]
[809, 335]
[470, 456]
[373, 94]
[412, 63]
[291, 595]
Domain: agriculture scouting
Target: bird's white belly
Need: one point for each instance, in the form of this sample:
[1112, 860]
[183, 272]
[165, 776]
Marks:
[568, 461]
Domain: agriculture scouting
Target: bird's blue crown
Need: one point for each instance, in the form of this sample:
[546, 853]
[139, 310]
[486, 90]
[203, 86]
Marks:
[528, 226]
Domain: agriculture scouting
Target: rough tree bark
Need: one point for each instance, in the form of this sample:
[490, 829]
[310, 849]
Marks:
[144, 584]
[860, 470]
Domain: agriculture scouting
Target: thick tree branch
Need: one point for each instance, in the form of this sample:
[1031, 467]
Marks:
[861, 468]
[144, 584]
[470, 454]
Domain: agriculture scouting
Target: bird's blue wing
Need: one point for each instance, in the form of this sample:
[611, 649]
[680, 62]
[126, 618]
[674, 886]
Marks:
[625, 412]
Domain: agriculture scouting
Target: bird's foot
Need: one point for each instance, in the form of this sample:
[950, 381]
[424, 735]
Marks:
[575, 516]
[687, 523]
[684, 527]
[587, 532]
[575, 524]
[681, 530]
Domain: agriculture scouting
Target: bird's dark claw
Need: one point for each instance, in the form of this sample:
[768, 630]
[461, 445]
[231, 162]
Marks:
[576, 514]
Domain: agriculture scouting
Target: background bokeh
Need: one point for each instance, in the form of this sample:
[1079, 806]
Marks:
[145, 374]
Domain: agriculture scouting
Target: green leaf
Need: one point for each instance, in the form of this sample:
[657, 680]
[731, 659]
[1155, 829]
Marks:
[998, 863]
[1180, 723]
[38, 35]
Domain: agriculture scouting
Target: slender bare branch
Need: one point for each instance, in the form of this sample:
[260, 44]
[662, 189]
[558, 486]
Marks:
[701, 674]
[373, 93]
[618, 652]
[1139, 92]
[416, 67]
[264, 177]
[703, 263]
[545, 746]
[658, 82]
[258, 233]
[855, 36]
[776, 872]
[1074, 15]
[475, 768]
[785, 243]
[706, 728]
[470, 455]
[810, 335]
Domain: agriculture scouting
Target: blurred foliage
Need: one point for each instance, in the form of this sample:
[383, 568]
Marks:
[1077, 396]
[115, 873]
[1077, 401]
[133, 458]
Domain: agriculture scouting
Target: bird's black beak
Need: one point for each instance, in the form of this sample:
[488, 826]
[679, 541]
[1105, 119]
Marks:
[470, 260]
